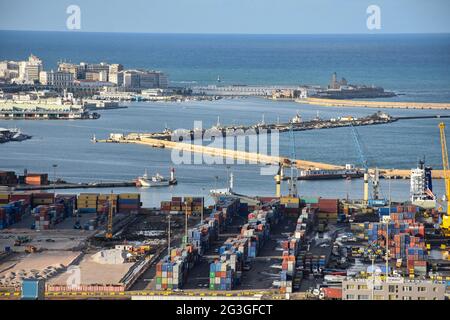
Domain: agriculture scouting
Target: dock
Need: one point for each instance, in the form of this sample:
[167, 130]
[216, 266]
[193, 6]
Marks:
[375, 104]
[256, 158]
[59, 186]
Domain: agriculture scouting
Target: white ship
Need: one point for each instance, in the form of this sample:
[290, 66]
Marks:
[216, 194]
[156, 180]
[297, 119]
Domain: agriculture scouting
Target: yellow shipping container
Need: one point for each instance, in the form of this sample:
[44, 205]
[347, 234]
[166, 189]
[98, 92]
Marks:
[129, 196]
[289, 200]
[42, 201]
[4, 196]
[87, 202]
[108, 196]
[88, 195]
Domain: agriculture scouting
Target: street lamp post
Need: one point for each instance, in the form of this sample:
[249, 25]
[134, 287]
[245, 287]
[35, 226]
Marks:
[168, 241]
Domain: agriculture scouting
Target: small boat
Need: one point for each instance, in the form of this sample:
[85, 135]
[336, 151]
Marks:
[297, 119]
[156, 180]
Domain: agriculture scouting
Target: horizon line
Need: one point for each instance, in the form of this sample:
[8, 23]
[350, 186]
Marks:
[232, 33]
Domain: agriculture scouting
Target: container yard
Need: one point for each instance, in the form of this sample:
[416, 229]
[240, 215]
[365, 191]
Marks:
[284, 247]
[290, 247]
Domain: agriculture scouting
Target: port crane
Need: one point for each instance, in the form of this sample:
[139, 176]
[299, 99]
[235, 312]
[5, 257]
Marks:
[375, 177]
[109, 227]
[293, 191]
[445, 225]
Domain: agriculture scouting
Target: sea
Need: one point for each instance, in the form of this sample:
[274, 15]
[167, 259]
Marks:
[417, 67]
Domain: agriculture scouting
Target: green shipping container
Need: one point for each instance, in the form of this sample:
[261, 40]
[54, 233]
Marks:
[309, 200]
[212, 274]
[158, 280]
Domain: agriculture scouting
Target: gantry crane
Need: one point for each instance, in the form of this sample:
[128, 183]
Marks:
[293, 191]
[445, 226]
[293, 179]
[376, 175]
[111, 208]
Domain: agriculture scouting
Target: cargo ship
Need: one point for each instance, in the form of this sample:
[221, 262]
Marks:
[316, 174]
[156, 180]
[216, 194]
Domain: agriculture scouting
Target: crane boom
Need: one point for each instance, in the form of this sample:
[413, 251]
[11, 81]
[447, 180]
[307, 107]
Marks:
[361, 155]
[109, 227]
[293, 192]
[363, 160]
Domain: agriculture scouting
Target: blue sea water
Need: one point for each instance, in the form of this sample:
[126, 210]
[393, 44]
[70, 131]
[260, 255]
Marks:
[415, 65]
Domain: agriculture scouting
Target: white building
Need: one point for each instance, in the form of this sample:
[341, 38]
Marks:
[57, 79]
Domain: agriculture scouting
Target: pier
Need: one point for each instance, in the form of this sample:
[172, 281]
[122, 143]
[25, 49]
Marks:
[375, 104]
[296, 124]
[256, 158]
[59, 186]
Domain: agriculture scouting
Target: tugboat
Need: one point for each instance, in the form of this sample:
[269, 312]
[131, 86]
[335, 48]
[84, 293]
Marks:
[156, 180]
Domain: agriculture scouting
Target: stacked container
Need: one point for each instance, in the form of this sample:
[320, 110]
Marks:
[287, 274]
[42, 198]
[221, 275]
[291, 205]
[69, 201]
[104, 201]
[227, 208]
[175, 204]
[4, 198]
[165, 206]
[192, 205]
[313, 262]
[87, 202]
[416, 259]
[12, 212]
[226, 272]
[328, 210]
[27, 198]
[47, 216]
[8, 178]
[129, 203]
[172, 271]
[202, 236]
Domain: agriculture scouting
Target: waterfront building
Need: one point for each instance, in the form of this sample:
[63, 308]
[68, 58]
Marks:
[28, 70]
[58, 79]
[131, 79]
[76, 70]
[393, 289]
[92, 76]
[9, 70]
[152, 79]
[116, 78]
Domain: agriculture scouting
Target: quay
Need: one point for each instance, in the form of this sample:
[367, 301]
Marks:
[375, 104]
[296, 124]
[252, 157]
[75, 186]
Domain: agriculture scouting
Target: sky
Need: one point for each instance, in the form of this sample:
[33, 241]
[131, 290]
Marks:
[228, 16]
